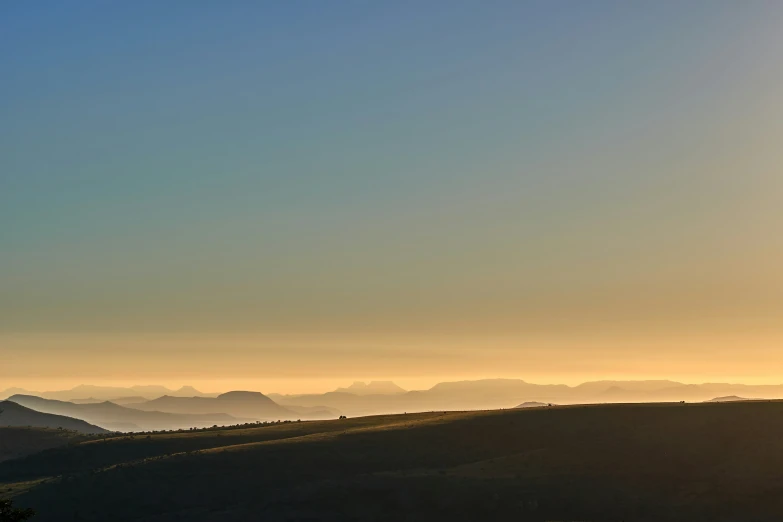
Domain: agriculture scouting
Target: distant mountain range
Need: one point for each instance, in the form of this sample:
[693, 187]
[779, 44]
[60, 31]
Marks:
[508, 393]
[252, 405]
[86, 392]
[14, 414]
[372, 388]
[120, 418]
[171, 413]
[730, 398]
[141, 408]
[118, 400]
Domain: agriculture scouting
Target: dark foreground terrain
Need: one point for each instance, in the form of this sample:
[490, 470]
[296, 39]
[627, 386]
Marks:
[654, 462]
[16, 442]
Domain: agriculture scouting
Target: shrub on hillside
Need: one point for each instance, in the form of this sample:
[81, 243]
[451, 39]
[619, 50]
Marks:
[10, 514]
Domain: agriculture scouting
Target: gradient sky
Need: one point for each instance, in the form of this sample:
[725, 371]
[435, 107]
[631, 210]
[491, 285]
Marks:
[293, 195]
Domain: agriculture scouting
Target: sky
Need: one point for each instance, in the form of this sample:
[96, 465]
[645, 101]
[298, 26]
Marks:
[289, 196]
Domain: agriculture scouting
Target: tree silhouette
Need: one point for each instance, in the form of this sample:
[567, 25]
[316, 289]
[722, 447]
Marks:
[10, 514]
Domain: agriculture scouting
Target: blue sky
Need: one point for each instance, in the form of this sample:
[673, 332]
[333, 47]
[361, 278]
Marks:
[389, 169]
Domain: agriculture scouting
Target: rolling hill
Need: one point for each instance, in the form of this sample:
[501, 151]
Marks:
[695, 462]
[20, 441]
[15, 415]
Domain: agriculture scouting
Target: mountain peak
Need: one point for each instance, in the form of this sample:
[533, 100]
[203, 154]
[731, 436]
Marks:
[730, 398]
[372, 388]
[533, 404]
[242, 396]
[14, 391]
[188, 391]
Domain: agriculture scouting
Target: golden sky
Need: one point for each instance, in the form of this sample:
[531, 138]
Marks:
[557, 195]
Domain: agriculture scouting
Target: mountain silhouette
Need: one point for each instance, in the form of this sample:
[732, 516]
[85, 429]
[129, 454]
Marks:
[15, 414]
[460, 395]
[378, 397]
[248, 404]
[636, 386]
[14, 391]
[730, 398]
[508, 393]
[120, 418]
[372, 388]
[187, 391]
[107, 393]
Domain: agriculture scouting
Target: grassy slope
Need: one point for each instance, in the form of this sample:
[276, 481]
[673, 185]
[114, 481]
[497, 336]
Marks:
[17, 441]
[105, 452]
[609, 462]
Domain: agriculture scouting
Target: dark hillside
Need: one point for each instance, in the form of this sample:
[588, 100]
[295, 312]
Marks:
[119, 449]
[19, 441]
[694, 462]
